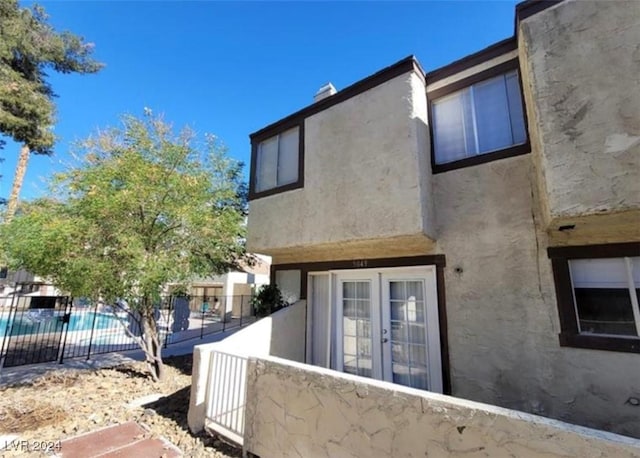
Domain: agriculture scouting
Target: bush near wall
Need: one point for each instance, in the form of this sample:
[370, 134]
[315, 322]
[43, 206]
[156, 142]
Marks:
[268, 300]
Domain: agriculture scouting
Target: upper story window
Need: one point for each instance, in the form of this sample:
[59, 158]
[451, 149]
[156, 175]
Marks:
[598, 288]
[277, 160]
[484, 117]
[478, 119]
[276, 163]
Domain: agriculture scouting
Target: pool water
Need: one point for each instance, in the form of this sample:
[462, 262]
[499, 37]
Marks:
[41, 321]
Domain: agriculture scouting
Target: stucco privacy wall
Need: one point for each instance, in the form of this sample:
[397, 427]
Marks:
[280, 334]
[350, 156]
[581, 67]
[502, 317]
[298, 410]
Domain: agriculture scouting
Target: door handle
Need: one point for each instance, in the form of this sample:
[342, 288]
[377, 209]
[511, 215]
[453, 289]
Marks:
[384, 340]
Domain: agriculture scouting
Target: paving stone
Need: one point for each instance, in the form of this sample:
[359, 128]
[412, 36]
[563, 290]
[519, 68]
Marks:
[125, 440]
[147, 448]
[102, 440]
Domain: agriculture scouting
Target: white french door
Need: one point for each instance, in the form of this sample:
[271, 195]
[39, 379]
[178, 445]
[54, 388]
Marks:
[387, 325]
[358, 329]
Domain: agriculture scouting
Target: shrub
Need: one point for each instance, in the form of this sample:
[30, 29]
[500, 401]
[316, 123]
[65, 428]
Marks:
[268, 300]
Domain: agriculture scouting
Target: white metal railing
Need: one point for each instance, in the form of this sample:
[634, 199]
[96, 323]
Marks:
[226, 395]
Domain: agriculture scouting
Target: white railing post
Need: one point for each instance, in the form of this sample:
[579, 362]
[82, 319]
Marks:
[226, 395]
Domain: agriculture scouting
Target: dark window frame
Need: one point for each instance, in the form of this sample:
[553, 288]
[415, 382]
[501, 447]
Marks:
[265, 135]
[516, 150]
[569, 334]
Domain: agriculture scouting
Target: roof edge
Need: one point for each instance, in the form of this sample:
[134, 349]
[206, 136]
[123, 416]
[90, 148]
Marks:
[471, 60]
[406, 65]
[530, 7]
[523, 10]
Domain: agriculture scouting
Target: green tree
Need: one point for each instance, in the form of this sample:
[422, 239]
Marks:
[145, 206]
[29, 47]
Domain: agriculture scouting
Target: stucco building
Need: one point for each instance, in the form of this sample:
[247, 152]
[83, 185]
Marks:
[22, 284]
[473, 230]
[230, 291]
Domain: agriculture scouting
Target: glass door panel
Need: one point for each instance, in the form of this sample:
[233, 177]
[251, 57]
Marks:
[356, 326]
[408, 340]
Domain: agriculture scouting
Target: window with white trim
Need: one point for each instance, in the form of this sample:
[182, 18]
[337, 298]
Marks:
[277, 160]
[482, 118]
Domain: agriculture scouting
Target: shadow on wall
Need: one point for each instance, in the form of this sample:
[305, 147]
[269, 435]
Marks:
[281, 334]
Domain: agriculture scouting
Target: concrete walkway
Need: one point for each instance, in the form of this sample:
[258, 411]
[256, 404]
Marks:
[26, 374]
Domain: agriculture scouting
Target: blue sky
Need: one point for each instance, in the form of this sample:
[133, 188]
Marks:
[231, 68]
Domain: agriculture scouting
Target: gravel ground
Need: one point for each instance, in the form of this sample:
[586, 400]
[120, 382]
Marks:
[66, 403]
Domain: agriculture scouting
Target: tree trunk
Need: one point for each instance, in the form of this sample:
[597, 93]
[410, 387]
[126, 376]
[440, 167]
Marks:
[152, 345]
[18, 179]
[149, 340]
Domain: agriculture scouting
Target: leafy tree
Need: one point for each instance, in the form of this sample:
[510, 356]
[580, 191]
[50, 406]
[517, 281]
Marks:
[28, 47]
[143, 207]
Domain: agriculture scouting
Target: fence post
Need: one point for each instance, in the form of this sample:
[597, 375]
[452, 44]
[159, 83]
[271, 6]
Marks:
[168, 320]
[223, 314]
[241, 308]
[202, 313]
[4, 348]
[65, 321]
[93, 326]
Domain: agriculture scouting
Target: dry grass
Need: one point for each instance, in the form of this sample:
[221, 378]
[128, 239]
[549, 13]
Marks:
[63, 404]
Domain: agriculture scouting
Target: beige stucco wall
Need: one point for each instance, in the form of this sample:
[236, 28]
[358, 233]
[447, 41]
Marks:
[581, 64]
[494, 222]
[501, 308]
[297, 410]
[362, 180]
[281, 334]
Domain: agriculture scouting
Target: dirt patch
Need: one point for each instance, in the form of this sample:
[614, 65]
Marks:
[21, 417]
[64, 404]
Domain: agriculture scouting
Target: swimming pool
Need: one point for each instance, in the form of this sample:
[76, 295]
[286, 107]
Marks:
[41, 321]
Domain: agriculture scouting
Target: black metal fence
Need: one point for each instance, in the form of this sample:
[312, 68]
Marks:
[36, 329]
[198, 316]
[32, 332]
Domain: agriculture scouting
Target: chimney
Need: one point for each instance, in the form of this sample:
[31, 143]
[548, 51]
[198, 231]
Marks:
[325, 91]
